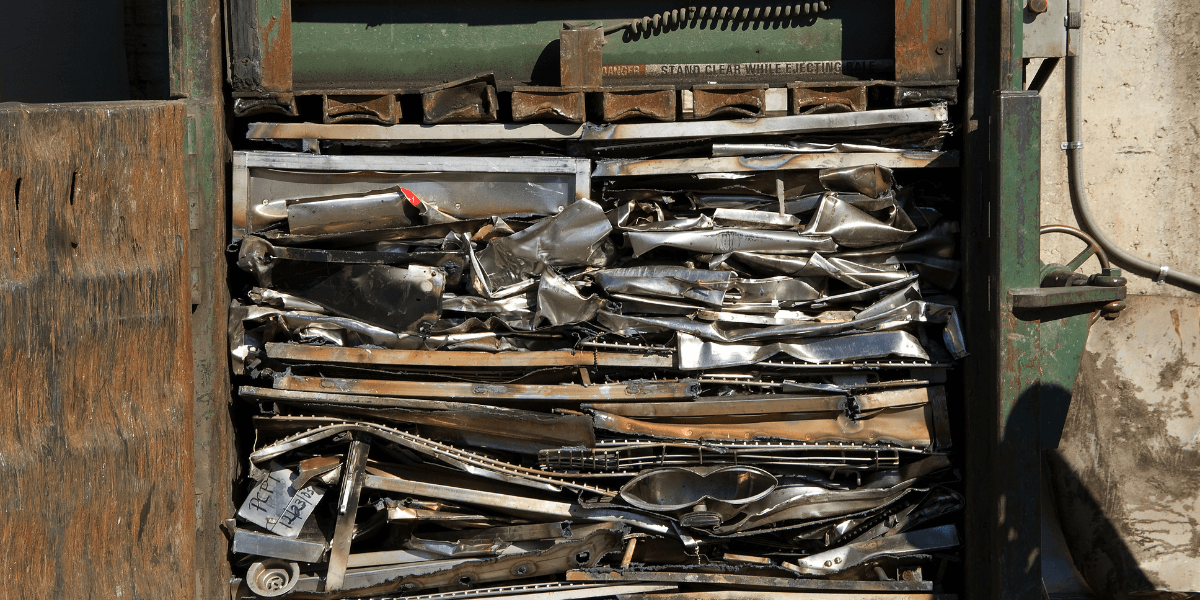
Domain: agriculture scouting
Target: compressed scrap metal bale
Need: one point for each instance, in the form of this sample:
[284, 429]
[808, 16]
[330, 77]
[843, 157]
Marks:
[746, 369]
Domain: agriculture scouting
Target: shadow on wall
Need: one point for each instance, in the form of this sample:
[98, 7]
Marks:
[1126, 474]
[84, 50]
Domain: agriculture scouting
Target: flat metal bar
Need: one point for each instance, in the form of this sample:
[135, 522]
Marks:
[474, 360]
[256, 393]
[413, 164]
[752, 582]
[912, 427]
[352, 483]
[597, 592]
[732, 405]
[276, 546]
[546, 508]
[523, 591]
[634, 391]
[912, 159]
[1064, 296]
[873, 119]
[409, 132]
[388, 557]
[748, 595]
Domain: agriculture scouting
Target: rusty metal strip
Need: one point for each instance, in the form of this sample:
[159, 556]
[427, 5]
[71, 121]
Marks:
[897, 398]
[556, 560]
[631, 391]
[795, 124]
[401, 132]
[909, 159]
[534, 591]
[580, 57]
[531, 506]
[776, 595]
[729, 405]
[926, 40]
[517, 504]
[912, 427]
[474, 360]
[749, 581]
[505, 429]
[347, 509]
[467, 461]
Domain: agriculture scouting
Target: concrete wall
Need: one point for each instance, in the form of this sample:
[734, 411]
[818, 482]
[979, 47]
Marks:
[1132, 445]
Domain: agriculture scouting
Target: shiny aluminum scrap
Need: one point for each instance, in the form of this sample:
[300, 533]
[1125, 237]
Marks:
[669, 386]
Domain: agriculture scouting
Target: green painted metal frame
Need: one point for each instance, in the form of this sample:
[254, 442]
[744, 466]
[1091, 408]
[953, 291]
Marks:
[1028, 341]
[197, 69]
[311, 47]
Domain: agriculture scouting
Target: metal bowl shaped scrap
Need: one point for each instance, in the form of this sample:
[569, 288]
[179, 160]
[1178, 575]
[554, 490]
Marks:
[703, 490]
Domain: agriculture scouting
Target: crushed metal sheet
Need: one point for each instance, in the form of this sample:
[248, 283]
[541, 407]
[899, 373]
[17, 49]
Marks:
[576, 237]
[720, 241]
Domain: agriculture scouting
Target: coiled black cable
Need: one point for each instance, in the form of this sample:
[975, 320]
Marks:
[669, 19]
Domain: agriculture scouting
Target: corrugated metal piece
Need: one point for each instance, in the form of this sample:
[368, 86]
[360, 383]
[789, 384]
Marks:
[95, 353]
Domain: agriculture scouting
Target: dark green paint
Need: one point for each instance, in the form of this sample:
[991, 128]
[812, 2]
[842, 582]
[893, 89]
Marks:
[384, 45]
[270, 13]
[1015, 529]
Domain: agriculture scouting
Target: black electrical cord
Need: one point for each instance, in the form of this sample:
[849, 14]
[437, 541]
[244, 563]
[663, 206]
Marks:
[1083, 213]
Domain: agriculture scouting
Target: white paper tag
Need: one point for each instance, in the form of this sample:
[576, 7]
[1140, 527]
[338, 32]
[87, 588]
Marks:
[277, 506]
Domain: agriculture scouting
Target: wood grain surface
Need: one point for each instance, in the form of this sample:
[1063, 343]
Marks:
[95, 353]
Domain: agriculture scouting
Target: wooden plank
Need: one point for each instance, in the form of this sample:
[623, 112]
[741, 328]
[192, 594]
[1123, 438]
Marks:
[95, 352]
[470, 360]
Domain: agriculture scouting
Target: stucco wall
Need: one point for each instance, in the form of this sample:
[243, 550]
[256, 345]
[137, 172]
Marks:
[1132, 445]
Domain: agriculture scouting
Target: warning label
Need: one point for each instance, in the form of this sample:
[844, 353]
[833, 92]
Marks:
[759, 69]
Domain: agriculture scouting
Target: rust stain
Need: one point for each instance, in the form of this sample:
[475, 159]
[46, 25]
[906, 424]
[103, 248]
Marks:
[580, 58]
[925, 41]
[276, 43]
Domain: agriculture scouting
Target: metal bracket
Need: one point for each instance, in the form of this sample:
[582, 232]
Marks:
[1074, 20]
[1065, 296]
[1072, 145]
[1162, 275]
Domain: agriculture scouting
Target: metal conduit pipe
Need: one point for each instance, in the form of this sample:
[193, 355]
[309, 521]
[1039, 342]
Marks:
[1160, 273]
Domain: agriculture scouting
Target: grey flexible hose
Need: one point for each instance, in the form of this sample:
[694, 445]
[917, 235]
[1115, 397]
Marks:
[1079, 194]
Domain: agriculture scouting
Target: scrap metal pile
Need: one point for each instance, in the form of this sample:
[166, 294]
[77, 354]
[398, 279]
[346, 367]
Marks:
[653, 386]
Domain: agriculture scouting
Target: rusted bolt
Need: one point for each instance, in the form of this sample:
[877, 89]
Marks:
[828, 563]
[1039, 6]
[940, 49]
[1112, 310]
